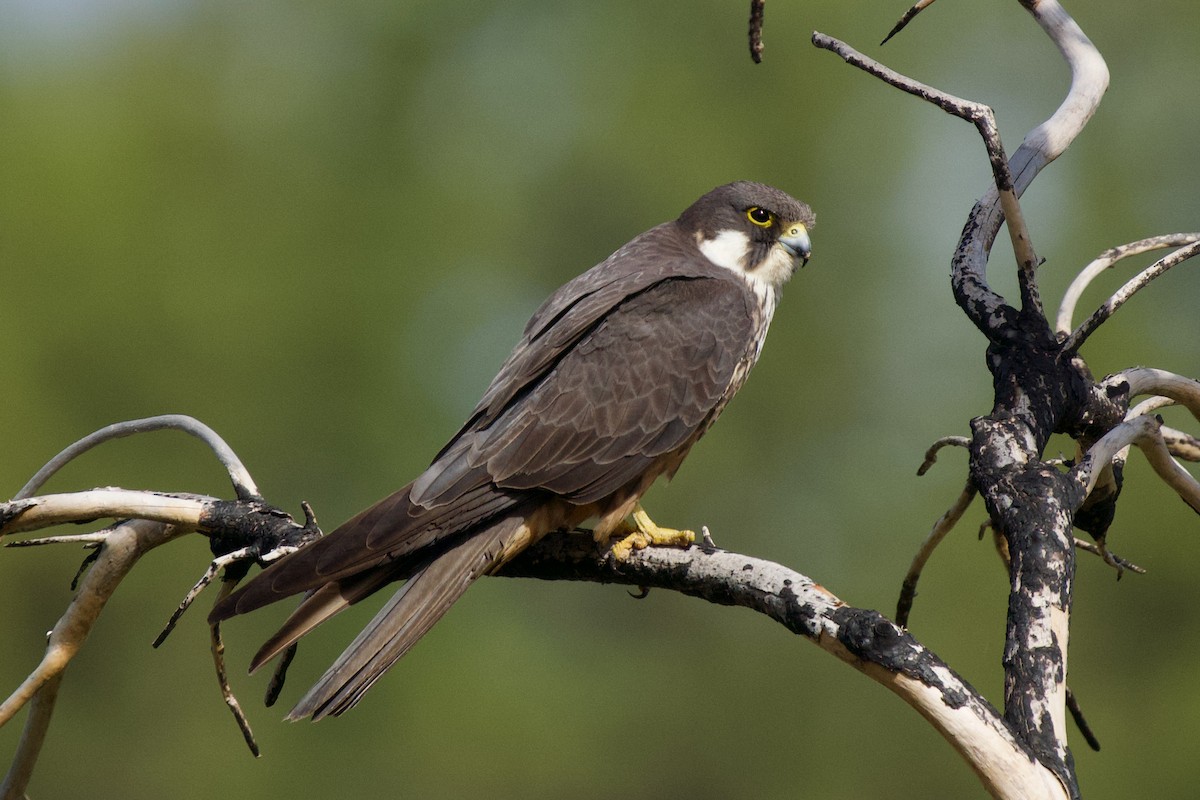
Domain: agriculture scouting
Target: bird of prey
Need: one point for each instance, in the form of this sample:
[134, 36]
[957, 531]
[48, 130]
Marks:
[615, 378]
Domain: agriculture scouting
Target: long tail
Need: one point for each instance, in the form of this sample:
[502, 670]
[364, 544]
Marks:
[411, 612]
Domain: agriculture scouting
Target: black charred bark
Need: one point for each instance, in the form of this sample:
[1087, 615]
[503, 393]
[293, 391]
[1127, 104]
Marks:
[1039, 390]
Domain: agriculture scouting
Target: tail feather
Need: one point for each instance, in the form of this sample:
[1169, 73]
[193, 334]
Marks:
[381, 538]
[324, 603]
[411, 612]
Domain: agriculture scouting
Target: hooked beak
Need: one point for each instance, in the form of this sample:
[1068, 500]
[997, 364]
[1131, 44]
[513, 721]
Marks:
[797, 243]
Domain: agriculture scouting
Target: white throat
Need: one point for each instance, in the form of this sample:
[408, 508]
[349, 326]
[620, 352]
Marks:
[730, 249]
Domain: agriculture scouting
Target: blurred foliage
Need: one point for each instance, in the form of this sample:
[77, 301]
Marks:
[320, 226]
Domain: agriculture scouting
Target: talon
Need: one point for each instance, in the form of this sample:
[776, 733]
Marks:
[643, 532]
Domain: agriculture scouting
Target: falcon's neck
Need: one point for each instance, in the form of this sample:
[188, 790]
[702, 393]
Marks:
[731, 250]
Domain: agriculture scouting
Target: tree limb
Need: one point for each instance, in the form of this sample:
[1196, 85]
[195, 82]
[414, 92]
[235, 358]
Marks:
[864, 639]
[125, 544]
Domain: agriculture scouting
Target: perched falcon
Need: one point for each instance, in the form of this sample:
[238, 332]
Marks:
[616, 377]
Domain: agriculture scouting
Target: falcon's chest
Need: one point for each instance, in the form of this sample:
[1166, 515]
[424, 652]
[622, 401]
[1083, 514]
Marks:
[761, 313]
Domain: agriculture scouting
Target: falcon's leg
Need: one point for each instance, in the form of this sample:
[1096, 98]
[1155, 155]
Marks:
[641, 531]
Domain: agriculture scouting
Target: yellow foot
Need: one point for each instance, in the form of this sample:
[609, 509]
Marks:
[641, 531]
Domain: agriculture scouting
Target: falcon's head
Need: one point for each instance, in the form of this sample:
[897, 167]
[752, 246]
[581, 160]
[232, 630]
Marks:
[754, 230]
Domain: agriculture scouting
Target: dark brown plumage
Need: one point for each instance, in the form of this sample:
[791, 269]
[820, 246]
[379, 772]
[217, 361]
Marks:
[617, 375]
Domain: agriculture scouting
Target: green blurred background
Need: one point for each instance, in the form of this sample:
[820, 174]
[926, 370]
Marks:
[320, 226]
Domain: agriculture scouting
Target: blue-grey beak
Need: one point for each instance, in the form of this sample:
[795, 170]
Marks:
[796, 242]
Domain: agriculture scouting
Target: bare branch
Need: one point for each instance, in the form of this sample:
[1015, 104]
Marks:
[1132, 287]
[1043, 144]
[1147, 380]
[126, 543]
[1149, 405]
[1089, 81]
[249, 526]
[983, 302]
[243, 484]
[864, 639]
[272, 532]
[931, 453]
[908, 17]
[757, 11]
[1142, 431]
[943, 526]
[210, 574]
[1105, 261]
[106, 503]
[217, 646]
[1180, 444]
[1175, 476]
[33, 735]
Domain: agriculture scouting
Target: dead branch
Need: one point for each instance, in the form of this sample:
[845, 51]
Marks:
[1132, 287]
[123, 546]
[1107, 260]
[243, 484]
[1147, 380]
[1041, 387]
[943, 526]
[865, 639]
[241, 532]
[931, 453]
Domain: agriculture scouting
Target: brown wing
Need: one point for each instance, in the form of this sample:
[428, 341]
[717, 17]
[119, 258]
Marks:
[577, 306]
[645, 379]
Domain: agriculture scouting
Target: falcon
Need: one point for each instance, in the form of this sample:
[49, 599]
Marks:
[617, 375]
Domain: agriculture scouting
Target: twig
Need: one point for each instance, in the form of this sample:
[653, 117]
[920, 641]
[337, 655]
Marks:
[1081, 722]
[984, 120]
[908, 17]
[279, 676]
[757, 12]
[1107, 260]
[214, 568]
[1132, 287]
[945, 441]
[944, 524]
[1109, 557]
[218, 654]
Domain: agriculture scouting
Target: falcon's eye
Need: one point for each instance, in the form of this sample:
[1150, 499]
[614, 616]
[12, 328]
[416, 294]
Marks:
[760, 216]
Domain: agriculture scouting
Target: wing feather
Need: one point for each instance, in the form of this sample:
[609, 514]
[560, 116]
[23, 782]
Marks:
[643, 382]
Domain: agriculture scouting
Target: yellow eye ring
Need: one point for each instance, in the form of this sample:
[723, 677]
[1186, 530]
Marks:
[760, 216]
